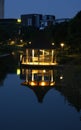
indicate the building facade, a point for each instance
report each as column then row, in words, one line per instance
column 1, row 9
column 48, row 20
column 37, row 20
column 33, row 20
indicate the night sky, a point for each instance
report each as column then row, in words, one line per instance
column 59, row 8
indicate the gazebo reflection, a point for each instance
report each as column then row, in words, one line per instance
column 39, row 80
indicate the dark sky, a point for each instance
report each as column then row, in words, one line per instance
column 59, row 8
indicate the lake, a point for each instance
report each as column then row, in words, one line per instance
column 24, row 107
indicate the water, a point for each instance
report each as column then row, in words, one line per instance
column 20, row 108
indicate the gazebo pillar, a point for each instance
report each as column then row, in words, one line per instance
column 52, row 76
column 52, row 58
column 27, row 56
column 43, row 56
column 42, row 77
column 27, row 75
column 32, row 76
column 33, row 56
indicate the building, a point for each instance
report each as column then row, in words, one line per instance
column 37, row 20
column 48, row 20
column 62, row 20
column 33, row 20
column 1, row 9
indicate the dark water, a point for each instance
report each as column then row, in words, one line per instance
column 20, row 108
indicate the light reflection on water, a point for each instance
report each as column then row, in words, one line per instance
column 21, row 109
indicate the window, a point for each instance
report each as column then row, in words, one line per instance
column 29, row 22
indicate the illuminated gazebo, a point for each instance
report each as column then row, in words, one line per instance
column 39, row 52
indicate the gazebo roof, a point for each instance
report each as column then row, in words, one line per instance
column 40, row 91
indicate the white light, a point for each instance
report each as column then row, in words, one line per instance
column 29, row 42
column 61, row 77
column 53, row 43
column 62, row 45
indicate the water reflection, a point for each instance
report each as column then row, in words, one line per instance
column 66, row 81
column 8, row 65
column 41, row 80
column 3, row 74
column 72, row 90
column 63, row 80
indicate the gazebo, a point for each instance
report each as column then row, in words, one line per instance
column 39, row 52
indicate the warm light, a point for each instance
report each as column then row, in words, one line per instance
column 39, row 63
column 43, row 83
column 62, row 45
column 39, row 57
column 12, row 42
column 33, row 83
column 18, row 71
column 52, row 83
column 44, row 71
column 19, row 20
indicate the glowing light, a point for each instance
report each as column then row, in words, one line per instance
column 30, row 42
column 52, row 83
column 18, row 71
column 53, row 43
column 38, row 63
column 13, row 53
column 61, row 77
column 46, row 57
column 44, row 71
column 19, row 20
column 12, row 42
column 62, row 45
column 21, row 40
column 43, row 83
column 33, row 83
column 34, row 71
